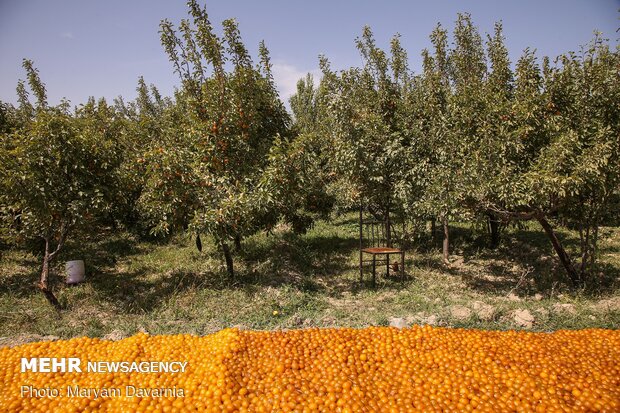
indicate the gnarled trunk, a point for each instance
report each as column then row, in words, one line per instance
column 198, row 243
column 494, row 230
column 446, row 241
column 573, row 275
column 229, row 260
column 43, row 284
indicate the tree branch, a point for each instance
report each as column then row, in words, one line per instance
column 64, row 231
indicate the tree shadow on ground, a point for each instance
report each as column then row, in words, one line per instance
column 308, row 263
column 311, row 263
column 21, row 284
column 320, row 262
column 524, row 264
column 103, row 252
column 135, row 293
column 317, row 262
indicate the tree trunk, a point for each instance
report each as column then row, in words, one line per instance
column 594, row 250
column 585, row 247
column 361, row 243
column 43, row 284
column 559, row 249
column 446, row 241
column 238, row 243
column 229, row 260
column 494, row 228
column 584, row 237
column 433, row 227
column 388, row 225
column 198, row 243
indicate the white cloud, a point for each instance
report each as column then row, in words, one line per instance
column 66, row 35
column 286, row 77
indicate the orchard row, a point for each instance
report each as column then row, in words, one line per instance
column 471, row 137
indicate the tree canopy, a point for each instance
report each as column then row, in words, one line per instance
column 472, row 137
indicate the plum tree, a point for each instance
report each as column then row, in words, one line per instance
column 208, row 169
column 58, row 167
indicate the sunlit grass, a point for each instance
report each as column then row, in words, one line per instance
column 289, row 281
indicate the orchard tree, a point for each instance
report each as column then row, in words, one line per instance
column 306, row 106
column 493, row 157
column 451, row 105
column 558, row 160
column 304, row 161
column 9, row 121
column 466, row 111
column 57, row 169
column 369, row 144
column 208, row 170
column 579, row 170
column 5, row 117
column 147, row 120
column 294, row 184
column 437, row 163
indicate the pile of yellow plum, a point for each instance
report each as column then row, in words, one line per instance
column 376, row 369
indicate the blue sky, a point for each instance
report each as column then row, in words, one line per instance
column 100, row 48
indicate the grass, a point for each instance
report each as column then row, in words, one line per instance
column 310, row 280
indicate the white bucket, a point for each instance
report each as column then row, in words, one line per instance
column 75, row 271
